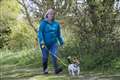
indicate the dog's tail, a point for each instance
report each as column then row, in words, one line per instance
column 69, row 59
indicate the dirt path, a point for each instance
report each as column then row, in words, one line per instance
column 97, row 76
column 14, row 73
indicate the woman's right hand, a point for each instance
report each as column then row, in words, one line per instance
column 43, row 46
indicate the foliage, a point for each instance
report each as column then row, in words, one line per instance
column 98, row 31
column 8, row 16
column 91, row 31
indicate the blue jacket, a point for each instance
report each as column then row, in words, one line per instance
column 49, row 33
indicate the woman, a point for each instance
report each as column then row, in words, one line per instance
column 49, row 35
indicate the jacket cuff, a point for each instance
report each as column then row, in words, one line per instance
column 42, row 42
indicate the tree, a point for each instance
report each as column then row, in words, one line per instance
column 39, row 7
column 6, row 20
column 96, row 24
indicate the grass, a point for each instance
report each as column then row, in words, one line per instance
column 54, row 77
column 26, row 65
column 21, row 58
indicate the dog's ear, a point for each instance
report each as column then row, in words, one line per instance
column 69, row 59
column 77, row 58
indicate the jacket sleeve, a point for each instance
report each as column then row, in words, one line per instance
column 40, row 33
column 60, row 38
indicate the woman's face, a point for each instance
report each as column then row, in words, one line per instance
column 51, row 15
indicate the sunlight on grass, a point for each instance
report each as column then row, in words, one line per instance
column 51, row 77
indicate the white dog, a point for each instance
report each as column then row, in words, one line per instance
column 73, row 67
